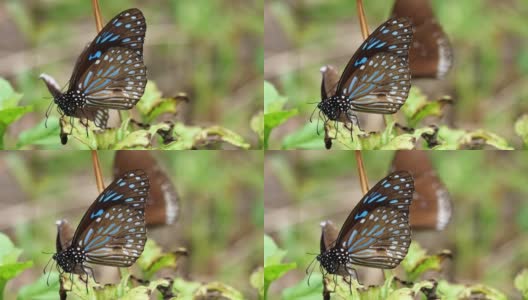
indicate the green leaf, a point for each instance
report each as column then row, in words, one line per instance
column 8, row 116
column 217, row 290
column 303, row 291
column 274, row 119
column 273, row 268
column 44, row 133
column 273, row 102
column 272, row 253
column 8, row 97
column 417, row 107
column 184, row 289
column 225, row 135
column 274, row 115
column 257, row 281
column 192, row 137
column 274, row 272
column 257, row 125
column 385, row 140
column 305, row 138
column 142, row 292
column 9, row 271
column 521, row 283
column 153, row 259
column 152, row 104
column 453, row 139
column 40, row 289
column 521, row 128
column 448, row 290
column 418, row 262
column 150, row 98
column 9, row 267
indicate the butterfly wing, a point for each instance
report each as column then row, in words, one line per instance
column 112, row 231
column 431, row 54
column 126, row 30
column 382, row 86
column 377, row 78
column 377, row 232
column 329, row 82
column 329, row 234
column 116, row 80
column 64, row 235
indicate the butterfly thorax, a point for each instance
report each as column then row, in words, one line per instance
column 332, row 259
column 70, row 101
column 335, row 108
column 70, row 258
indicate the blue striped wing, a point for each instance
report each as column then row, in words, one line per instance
column 116, row 80
column 377, row 77
column 377, row 232
column 126, row 30
column 381, row 85
column 112, row 231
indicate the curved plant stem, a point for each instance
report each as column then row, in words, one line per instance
column 361, row 171
column 97, row 15
column 362, row 19
column 97, row 171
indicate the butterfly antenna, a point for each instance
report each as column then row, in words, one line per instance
column 307, row 268
column 312, row 114
column 309, row 273
column 44, row 270
column 48, row 112
column 318, row 119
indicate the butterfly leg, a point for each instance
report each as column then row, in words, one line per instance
column 354, row 120
column 91, row 272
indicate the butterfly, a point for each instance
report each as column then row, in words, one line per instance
column 431, row 208
column 112, row 232
column 377, row 77
column 109, row 73
column 162, row 207
column 431, row 55
column 376, row 233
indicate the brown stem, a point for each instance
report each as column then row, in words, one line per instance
column 362, row 19
column 97, row 171
column 97, row 15
column 361, row 171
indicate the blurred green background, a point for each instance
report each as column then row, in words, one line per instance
column 488, row 233
column 220, row 223
column 209, row 49
column 488, row 81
